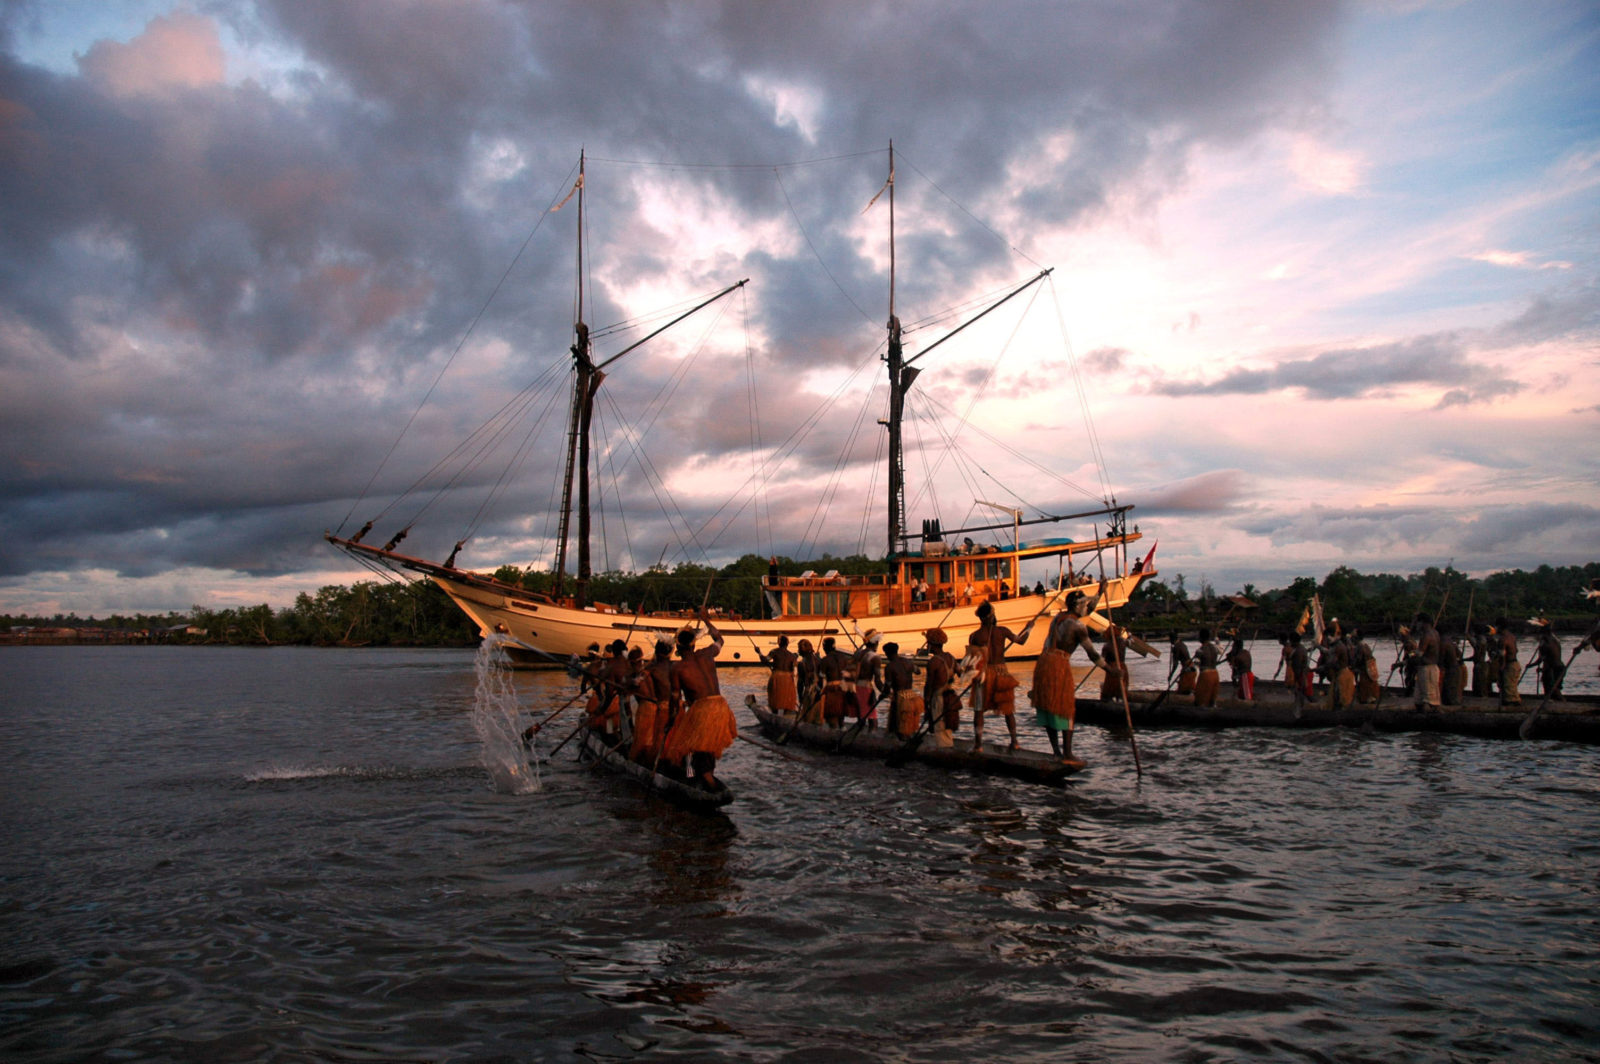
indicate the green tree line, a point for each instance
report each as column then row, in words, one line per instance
column 1380, row 600
column 400, row 613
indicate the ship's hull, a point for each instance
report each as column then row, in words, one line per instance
column 544, row 633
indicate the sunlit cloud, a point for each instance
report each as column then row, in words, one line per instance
column 1327, row 268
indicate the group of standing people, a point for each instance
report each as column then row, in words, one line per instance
column 668, row 711
column 1438, row 671
column 835, row 685
column 1197, row 674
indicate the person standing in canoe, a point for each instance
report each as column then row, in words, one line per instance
column 1341, row 678
column 939, row 698
column 782, row 694
column 996, row 687
column 1481, row 668
column 654, row 704
column 1244, row 681
column 869, row 678
column 1298, row 666
column 1181, row 664
column 808, row 677
column 905, row 705
column 611, row 685
column 1285, row 653
column 1365, row 667
column 707, row 727
column 833, row 664
column 1427, row 660
column 1547, row 656
column 1206, row 658
column 1504, row 649
column 1449, row 671
column 1054, row 692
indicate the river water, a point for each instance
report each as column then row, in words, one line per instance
column 294, row 854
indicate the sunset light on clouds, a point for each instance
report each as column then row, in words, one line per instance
column 1329, row 271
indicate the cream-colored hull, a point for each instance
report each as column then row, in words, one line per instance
column 542, row 633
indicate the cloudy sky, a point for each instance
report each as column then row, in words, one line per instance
column 1325, row 275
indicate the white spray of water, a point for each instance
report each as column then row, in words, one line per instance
column 498, row 722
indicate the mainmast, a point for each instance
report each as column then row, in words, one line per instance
column 586, row 382
column 900, row 378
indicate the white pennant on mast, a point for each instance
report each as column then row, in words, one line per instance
column 576, row 186
column 878, row 193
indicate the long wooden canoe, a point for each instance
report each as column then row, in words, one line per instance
column 989, row 760
column 684, row 793
column 1574, row 719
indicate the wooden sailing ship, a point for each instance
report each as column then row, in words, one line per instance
column 935, row 579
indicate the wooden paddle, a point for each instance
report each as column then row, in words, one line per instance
column 769, row 748
column 568, row 739
column 533, row 729
column 860, row 721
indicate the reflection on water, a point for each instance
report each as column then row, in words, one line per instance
column 300, row 855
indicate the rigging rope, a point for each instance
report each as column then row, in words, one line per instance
column 471, row 326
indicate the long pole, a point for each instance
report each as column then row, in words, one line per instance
column 1122, row 670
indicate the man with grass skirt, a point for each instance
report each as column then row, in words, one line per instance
column 1425, row 655
column 1510, row 669
column 1299, row 667
column 782, row 694
column 905, row 704
column 707, row 727
column 939, row 698
column 833, row 663
column 1182, row 665
column 653, row 707
column 1054, row 693
column 995, row 691
column 1205, row 659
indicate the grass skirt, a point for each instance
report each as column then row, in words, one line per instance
column 1054, row 693
column 706, row 727
column 781, row 694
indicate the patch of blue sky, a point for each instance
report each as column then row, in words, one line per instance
column 53, row 35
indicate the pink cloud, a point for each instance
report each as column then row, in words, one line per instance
column 178, row 51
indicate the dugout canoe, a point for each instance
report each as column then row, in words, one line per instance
column 1029, row 765
column 1573, row 719
column 682, row 793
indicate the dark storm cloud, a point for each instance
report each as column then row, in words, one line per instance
column 220, row 298
column 1438, row 360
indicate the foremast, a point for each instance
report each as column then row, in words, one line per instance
column 587, row 378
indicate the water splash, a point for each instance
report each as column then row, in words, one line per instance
column 498, row 721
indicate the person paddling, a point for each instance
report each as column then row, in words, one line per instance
column 707, row 727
